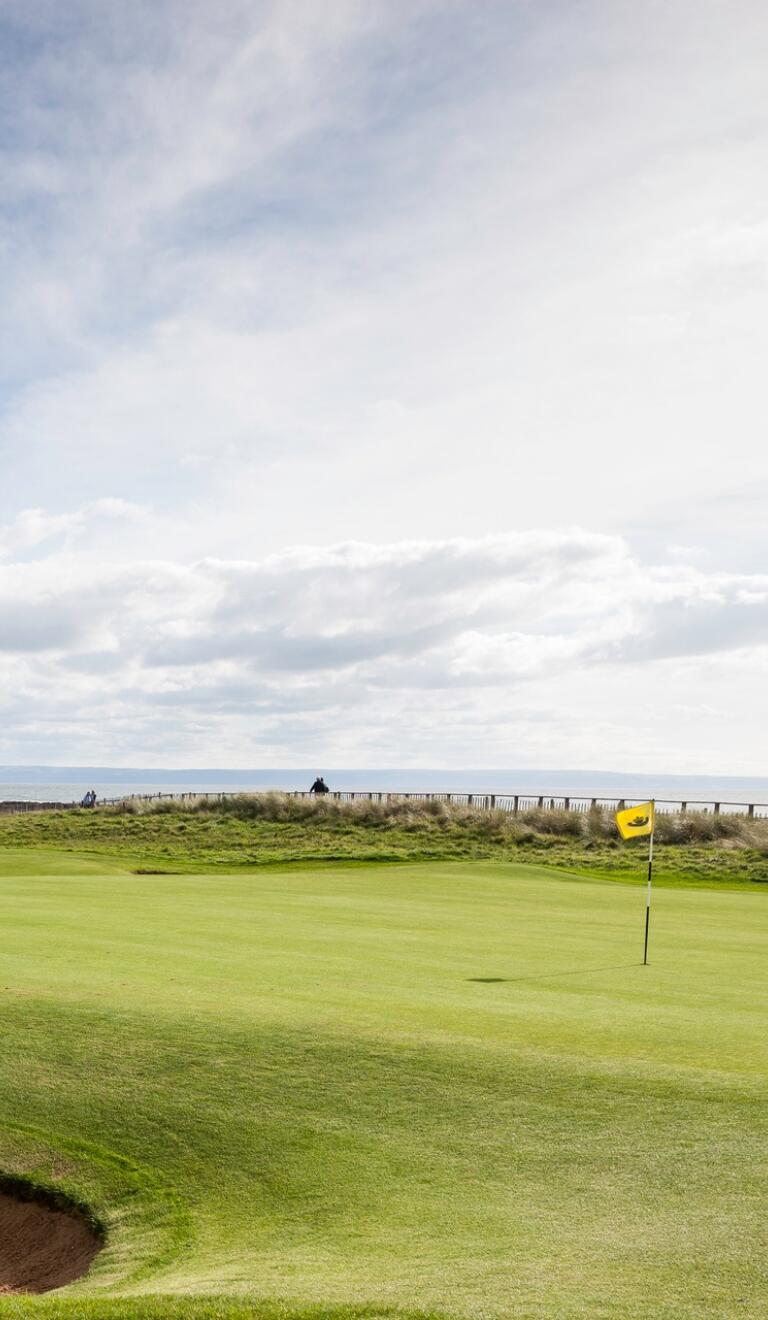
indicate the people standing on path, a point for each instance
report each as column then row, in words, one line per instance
column 319, row 786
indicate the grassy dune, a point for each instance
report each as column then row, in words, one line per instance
column 725, row 851
column 447, row 1088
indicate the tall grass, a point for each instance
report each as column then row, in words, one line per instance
column 595, row 826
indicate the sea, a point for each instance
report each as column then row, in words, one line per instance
column 70, row 783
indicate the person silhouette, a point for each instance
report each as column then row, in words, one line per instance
column 319, row 786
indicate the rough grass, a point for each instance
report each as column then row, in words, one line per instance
column 415, row 813
column 276, row 828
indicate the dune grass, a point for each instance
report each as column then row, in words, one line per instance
column 248, row 831
column 341, row 1092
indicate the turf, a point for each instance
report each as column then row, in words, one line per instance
column 339, row 1092
column 184, row 841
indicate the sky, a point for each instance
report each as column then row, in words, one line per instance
column 383, row 383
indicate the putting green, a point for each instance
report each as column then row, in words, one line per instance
column 440, row 1087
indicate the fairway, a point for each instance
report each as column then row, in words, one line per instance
column 442, row 1087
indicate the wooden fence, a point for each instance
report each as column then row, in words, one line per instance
column 514, row 803
column 16, row 808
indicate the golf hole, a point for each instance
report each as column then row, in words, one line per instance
column 46, row 1241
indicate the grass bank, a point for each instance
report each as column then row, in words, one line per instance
column 273, row 829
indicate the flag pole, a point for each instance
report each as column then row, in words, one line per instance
column 650, row 877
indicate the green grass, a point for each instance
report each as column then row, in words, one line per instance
column 228, row 838
column 308, row 1084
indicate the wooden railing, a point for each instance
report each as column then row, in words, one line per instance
column 513, row 803
column 16, row 808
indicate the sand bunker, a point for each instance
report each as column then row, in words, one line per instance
column 42, row 1246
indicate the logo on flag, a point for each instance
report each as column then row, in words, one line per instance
column 635, row 821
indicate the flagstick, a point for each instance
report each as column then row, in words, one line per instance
column 650, row 876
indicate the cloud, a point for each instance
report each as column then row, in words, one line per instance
column 312, row 317
column 34, row 527
column 736, row 620
column 322, row 650
column 400, row 270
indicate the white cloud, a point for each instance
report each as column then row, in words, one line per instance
column 358, row 649
column 313, row 315
column 33, row 527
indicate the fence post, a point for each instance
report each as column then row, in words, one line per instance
column 751, row 809
column 515, row 804
column 566, row 804
column 716, row 809
column 493, row 801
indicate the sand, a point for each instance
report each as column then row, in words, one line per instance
column 42, row 1248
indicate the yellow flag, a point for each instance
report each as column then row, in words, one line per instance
column 635, row 821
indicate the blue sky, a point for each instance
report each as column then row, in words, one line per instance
column 383, row 383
